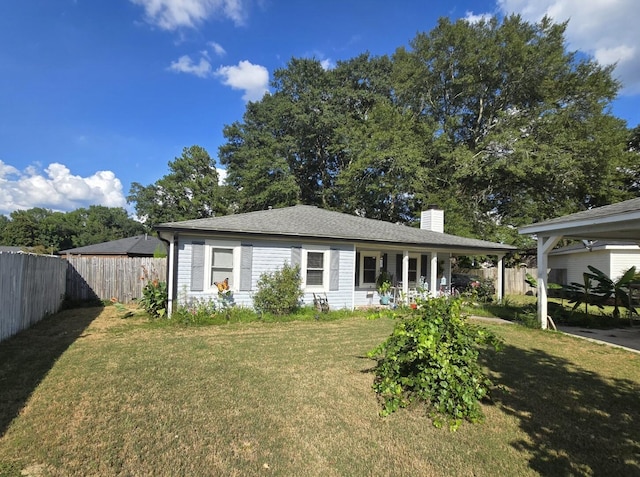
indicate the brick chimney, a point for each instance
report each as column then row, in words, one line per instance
column 432, row 219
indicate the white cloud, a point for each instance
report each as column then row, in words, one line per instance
column 473, row 18
column 57, row 190
column 606, row 29
column 186, row 65
column 6, row 170
column 217, row 48
column 222, row 175
column 253, row 79
column 173, row 14
column 327, row 64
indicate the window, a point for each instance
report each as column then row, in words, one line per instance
column 315, row 269
column 221, row 266
column 369, row 268
column 413, row 270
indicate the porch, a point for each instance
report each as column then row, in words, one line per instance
column 411, row 272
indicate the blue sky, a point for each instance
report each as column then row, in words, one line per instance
column 97, row 94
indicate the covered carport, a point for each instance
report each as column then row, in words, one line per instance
column 619, row 221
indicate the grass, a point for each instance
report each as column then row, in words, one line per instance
column 86, row 392
column 523, row 309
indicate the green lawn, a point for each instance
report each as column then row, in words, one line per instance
column 87, row 393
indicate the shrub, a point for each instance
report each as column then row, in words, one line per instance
column 432, row 357
column 279, row 293
column 154, row 298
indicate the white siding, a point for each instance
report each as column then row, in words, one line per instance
column 268, row 256
column 610, row 261
column 576, row 263
column 623, row 260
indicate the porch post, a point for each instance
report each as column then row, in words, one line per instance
column 405, row 273
column 433, row 274
column 500, row 281
column 545, row 245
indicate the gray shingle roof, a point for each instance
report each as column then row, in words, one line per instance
column 10, row 249
column 140, row 245
column 305, row 221
column 627, row 206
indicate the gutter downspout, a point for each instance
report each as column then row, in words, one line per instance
column 500, row 281
column 171, row 271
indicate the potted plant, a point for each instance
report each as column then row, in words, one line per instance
column 383, row 283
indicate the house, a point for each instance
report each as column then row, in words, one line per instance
column 339, row 255
column 138, row 246
column 11, row 249
column 619, row 221
column 612, row 257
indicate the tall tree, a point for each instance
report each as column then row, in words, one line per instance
column 495, row 121
column 524, row 127
column 189, row 191
column 290, row 147
column 99, row 224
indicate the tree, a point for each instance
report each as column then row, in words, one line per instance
column 293, row 145
column 495, row 121
column 388, row 167
column 189, row 191
column 99, row 224
column 258, row 172
column 523, row 127
column 48, row 231
column 27, row 228
column 4, row 220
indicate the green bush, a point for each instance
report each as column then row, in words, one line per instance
column 432, row 357
column 154, row 298
column 279, row 293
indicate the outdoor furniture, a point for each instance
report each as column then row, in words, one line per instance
column 321, row 304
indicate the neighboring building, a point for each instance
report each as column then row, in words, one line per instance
column 620, row 221
column 613, row 258
column 138, row 246
column 339, row 255
column 11, row 249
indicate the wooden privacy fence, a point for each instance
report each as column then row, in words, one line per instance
column 31, row 287
column 514, row 279
column 106, row 278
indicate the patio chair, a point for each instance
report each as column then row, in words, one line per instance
column 321, row 304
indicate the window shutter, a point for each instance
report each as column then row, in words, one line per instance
column 398, row 267
column 197, row 266
column 334, row 270
column 357, row 278
column 246, row 264
column 296, row 256
column 424, row 263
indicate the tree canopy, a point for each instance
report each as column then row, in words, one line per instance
column 48, row 231
column 189, row 191
column 495, row 121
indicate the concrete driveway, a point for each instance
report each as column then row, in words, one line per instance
column 628, row 338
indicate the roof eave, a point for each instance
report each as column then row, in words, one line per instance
column 472, row 249
column 571, row 226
